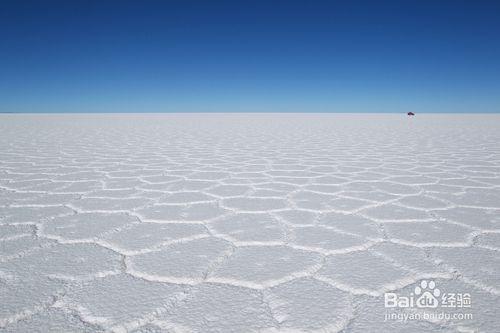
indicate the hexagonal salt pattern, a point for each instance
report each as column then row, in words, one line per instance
column 246, row 223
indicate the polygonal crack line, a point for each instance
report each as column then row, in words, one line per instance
column 74, row 209
column 473, row 238
column 477, row 284
column 156, row 248
column 288, row 198
column 286, row 228
column 310, row 271
column 447, row 202
column 403, row 267
column 421, row 245
column 487, row 247
column 475, row 231
column 126, row 267
column 351, row 316
column 97, row 239
column 116, row 230
column 61, row 305
column 61, row 241
column 381, row 227
column 79, row 312
column 456, row 274
column 452, row 271
column 224, row 237
column 351, row 249
column 339, row 231
column 168, row 306
column 219, row 261
column 355, row 301
column 30, row 312
column 268, row 307
column 27, row 252
column 392, row 286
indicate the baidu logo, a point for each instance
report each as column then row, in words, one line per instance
column 427, row 295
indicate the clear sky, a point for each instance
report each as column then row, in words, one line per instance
column 244, row 56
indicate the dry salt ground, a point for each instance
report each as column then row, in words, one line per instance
column 246, row 223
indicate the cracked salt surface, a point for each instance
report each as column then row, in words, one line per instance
column 241, row 223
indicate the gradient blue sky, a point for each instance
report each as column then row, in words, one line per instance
column 244, row 56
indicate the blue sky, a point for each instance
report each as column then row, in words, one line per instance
column 250, row 56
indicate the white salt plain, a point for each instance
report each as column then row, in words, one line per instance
column 247, row 222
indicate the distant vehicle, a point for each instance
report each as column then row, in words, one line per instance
column 410, row 113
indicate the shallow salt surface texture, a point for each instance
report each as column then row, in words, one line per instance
column 249, row 222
